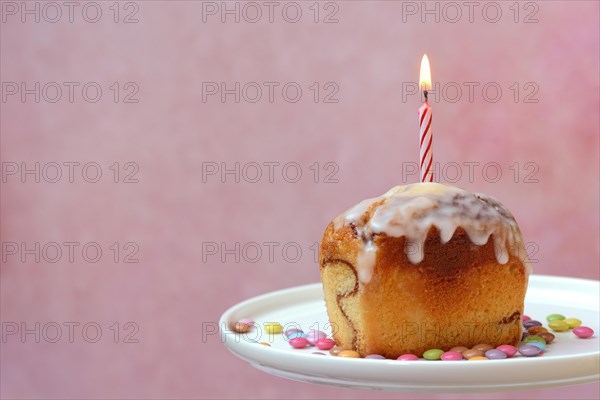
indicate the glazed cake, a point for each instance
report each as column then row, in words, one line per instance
column 424, row 266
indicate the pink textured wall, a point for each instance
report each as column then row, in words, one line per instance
column 370, row 55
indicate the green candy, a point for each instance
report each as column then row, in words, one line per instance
column 559, row 326
column 534, row 338
column 433, row 354
column 555, row 317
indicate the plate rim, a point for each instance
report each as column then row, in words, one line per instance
column 267, row 360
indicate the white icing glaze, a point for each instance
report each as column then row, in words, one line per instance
column 411, row 210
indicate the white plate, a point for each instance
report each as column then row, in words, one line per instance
column 568, row 361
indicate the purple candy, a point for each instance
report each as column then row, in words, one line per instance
column 508, row 349
column 375, row 357
column 314, row 335
column 495, row 354
column 531, row 323
column 529, row 350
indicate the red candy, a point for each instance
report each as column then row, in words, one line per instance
column 508, row 349
column 583, row 332
column 298, row 343
column 325, row 344
column 408, row 357
column 451, row 356
column 525, row 318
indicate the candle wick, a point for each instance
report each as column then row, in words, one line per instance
column 425, row 94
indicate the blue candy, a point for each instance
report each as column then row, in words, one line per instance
column 539, row 345
column 297, row 335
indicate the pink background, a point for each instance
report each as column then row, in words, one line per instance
column 171, row 132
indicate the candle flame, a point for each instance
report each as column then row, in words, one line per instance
column 425, row 75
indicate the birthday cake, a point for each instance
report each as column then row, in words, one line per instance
column 424, row 266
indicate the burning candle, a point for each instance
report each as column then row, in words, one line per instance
column 425, row 117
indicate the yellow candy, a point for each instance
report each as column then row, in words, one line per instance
column 273, row 327
column 349, row 354
column 264, row 344
column 477, row 358
column 572, row 322
column 558, row 326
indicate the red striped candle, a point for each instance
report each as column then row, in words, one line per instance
column 425, row 117
column 426, row 152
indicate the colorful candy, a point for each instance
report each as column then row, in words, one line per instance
column 558, row 326
column 531, row 323
column 572, row 322
column 539, row 345
column 325, row 344
column 314, row 335
column 508, row 349
column 297, row 335
column 293, row 331
column 451, row 356
column 555, row 317
column 583, row 332
column 483, row 347
column 243, row 325
column 433, row 354
column 495, row 354
column 548, row 337
column 241, row 328
column 534, row 330
column 534, row 342
column 298, row 343
column 534, row 338
column 468, row 354
column 408, row 357
column 273, row 327
column 529, row 350
column 349, row 354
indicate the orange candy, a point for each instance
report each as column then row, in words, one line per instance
column 348, row 354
